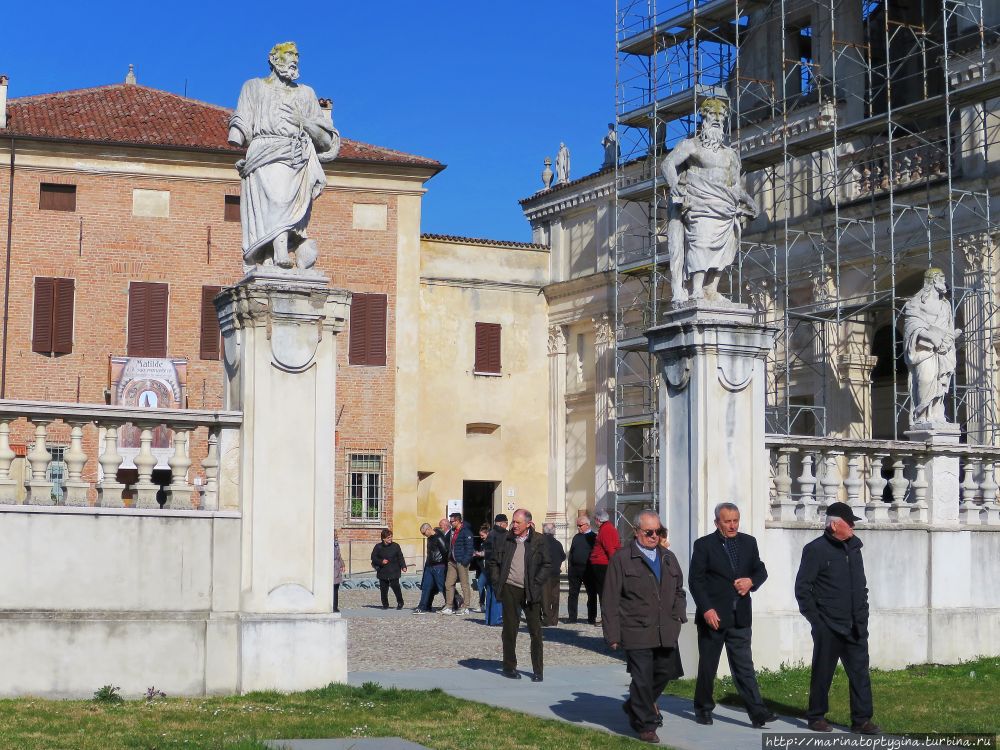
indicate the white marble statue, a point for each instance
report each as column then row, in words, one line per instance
column 612, row 151
column 287, row 136
column 707, row 207
column 929, row 335
column 562, row 165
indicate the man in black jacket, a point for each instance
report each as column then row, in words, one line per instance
column 495, row 537
column 578, row 571
column 434, row 568
column 832, row 593
column 725, row 568
column 518, row 570
column 550, row 592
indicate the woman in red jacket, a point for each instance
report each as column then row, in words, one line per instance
column 605, row 545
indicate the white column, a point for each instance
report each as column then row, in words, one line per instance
column 604, row 405
column 279, row 338
column 980, row 366
column 556, row 512
column 942, row 474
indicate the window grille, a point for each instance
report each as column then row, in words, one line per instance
column 366, row 487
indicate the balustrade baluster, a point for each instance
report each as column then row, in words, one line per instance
column 210, row 500
column 807, row 485
column 990, row 509
column 145, row 490
column 918, row 508
column 8, row 486
column 969, row 511
column 179, row 492
column 76, row 459
column 878, row 509
column 853, row 483
column 109, row 493
column 831, row 478
column 899, row 510
column 39, row 488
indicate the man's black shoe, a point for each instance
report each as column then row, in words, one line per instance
column 513, row 674
column 536, row 678
column 705, row 719
column 760, row 721
column 867, row 728
column 820, row 725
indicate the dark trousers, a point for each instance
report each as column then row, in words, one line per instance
column 600, row 573
column 431, row 583
column 383, row 588
column 550, row 601
column 828, row 647
column 513, row 601
column 651, row 670
column 584, row 576
column 737, row 643
column 336, row 597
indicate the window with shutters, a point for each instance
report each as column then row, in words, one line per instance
column 368, row 324
column 52, row 324
column 53, row 197
column 487, row 349
column 232, row 212
column 366, row 486
column 211, row 337
column 147, row 319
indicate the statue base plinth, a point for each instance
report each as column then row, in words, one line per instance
column 274, row 275
column 936, row 433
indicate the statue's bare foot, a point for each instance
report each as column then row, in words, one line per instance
column 280, row 248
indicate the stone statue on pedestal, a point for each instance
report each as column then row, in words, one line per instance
column 287, row 136
column 708, row 205
column 929, row 335
column 562, row 165
column 612, row 152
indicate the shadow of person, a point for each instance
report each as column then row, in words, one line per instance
column 482, row 665
column 599, row 710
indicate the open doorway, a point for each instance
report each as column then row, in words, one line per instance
column 478, row 502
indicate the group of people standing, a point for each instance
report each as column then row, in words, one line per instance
column 643, row 605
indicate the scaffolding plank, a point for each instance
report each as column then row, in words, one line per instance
column 641, row 191
column 679, row 28
column 682, row 103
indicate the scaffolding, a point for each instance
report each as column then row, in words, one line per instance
column 868, row 137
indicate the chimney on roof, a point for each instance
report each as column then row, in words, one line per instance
column 327, row 106
column 130, row 76
column 3, row 100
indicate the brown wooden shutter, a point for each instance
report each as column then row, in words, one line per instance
column 211, row 337
column 54, row 197
column 62, row 322
column 232, row 210
column 41, row 335
column 147, row 319
column 358, row 346
column 377, row 308
column 487, row 348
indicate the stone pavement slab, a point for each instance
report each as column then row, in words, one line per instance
column 590, row 696
column 347, row 743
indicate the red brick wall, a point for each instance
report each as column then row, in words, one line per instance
column 118, row 248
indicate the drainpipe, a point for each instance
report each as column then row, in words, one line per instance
column 6, row 279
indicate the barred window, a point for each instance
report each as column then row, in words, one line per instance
column 56, row 471
column 366, row 486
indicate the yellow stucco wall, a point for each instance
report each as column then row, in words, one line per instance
column 461, row 283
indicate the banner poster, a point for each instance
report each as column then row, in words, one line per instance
column 147, row 383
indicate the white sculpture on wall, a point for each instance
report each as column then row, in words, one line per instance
column 562, row 165
column 707, row 207
column 929, row 335
column 287, row 136
column 612, row 151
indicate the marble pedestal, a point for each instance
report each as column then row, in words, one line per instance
column 711, row 366
column 279, row 342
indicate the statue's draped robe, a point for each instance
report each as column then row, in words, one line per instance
column 712, row 224
column 930, row 372
column 281, row 173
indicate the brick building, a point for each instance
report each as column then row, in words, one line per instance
column 120, row 221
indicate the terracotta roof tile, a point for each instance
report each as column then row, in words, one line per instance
column 133, row 114
column 483, row 241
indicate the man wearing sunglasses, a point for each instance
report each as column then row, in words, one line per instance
column 725, row 568
column 642, row 607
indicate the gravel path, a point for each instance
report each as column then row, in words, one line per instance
column 390, row 640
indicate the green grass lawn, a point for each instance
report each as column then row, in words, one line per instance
column 926, row 698
column 430, row 718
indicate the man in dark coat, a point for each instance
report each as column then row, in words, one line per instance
column 434, row 568
column 578, row 571
column 725, row 568
column 518, row 570
column 550, row 594
column 496, row 535
column 832, row 593
column 642, row 607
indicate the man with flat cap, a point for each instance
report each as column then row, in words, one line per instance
column 832, row 593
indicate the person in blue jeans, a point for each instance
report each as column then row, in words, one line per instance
column 434, row 568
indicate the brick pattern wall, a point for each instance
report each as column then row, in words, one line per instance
column 104, row 247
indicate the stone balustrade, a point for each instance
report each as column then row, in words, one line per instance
column 884, row 481
column 914, row 160
column 105, row 489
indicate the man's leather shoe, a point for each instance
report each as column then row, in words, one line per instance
column 512, row 674
column 760, row 721
column 649, row 736
column 820, row 725
column 866, row 728
column 536, row 678
column 705, row 719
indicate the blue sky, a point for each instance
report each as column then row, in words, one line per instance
column 489, row 89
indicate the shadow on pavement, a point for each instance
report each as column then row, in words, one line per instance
column 482, row 665
column 600, row 710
